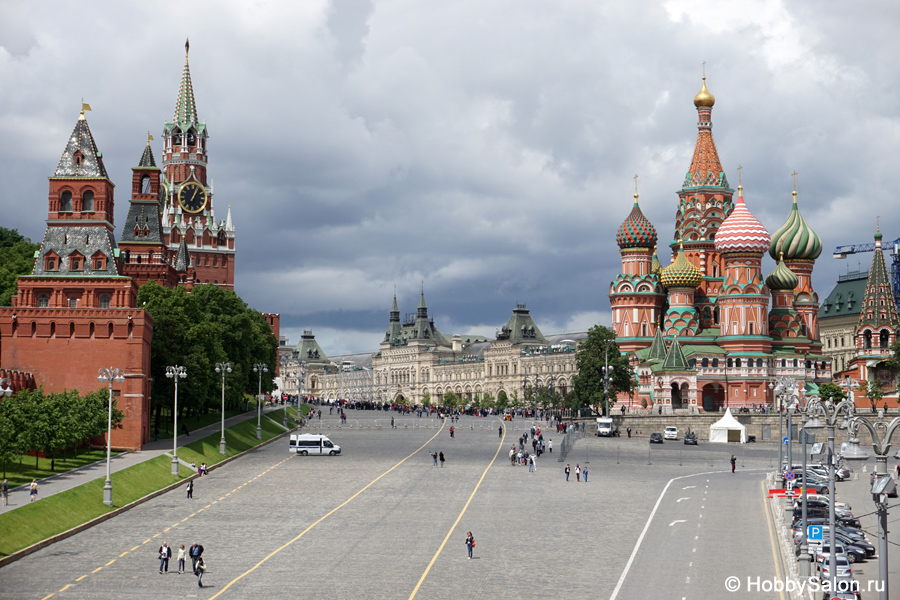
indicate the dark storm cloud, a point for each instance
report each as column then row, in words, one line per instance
column 485, row 148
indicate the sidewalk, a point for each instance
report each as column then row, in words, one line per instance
column 65, row 481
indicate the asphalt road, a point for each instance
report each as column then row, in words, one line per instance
column 381, row 522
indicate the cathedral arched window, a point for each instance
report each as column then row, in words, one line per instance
column 87, row 201
column 867, row 336
column 191, row 138
column 176, row 138
column 704, row 362
column 728, row 363
column 65, row 202
column 715, row 362
column 737, row 363
column 883, row 338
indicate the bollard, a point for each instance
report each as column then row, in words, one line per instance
column 471, row 427
column 405, row 426
column 480, row 427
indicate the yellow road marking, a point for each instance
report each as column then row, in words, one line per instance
column 331, row 512
column 145, row 541
column 48, row 596
column 458, row 519
column 65, row 588
column 80, row 578
column 771, row 537
column 166, row 529
column 185, row 519
column 157, row 535
column 110, row 562
column 135, row 548
column 97, row 569
column 123, row 554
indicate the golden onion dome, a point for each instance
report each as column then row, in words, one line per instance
column 704, row 98
column 655, row 265
column 682, row 273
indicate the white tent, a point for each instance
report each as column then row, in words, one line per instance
column 727, row 429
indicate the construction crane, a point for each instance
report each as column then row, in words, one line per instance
column 894, row 268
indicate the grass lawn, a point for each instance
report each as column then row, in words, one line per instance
column 238, row 438
column 85, row 457
column 195, row 422
column 54, row 514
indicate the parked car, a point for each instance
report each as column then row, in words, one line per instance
column 813, row 504
column 842, row 570
column 656, row 438
column 690, row 439
column 826, row 499
column 821, row 518
column 849, row 532
column 671, row 433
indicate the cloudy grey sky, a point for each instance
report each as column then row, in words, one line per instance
column 487, row 148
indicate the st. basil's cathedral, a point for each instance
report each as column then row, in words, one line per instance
column 709, row 331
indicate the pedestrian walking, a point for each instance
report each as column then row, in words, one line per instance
column 33, row 490
column 550, row 446
column 534, row 461
column 531, row 464
column 470, row 543
column 451, row 431
column 4, row 491
column 733, row 462
column 500, row 431
column 190, row 490
column 568, row 470
column 584, row 472
column 512, row 456
column 434, row 459
column 577, row 473
column 442, row 459
column 181, row 555
column 198, row 571
column 629, row 430
column 195, row 552
column 165, row 553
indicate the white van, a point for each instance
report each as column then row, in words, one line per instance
column 313, row 443
column 604, row 426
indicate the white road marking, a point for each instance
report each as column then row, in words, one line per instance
column 688, row 487
column 680, row 499
column 640, row 540
column 680, row 521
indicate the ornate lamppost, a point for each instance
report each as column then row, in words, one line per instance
column 223, row 368
column 109, row 376
column 175, row 372
column 882, row 483
column 259, row 368
column 5, row 387
column 831, row 412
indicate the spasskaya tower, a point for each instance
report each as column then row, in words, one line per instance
column 188, row 212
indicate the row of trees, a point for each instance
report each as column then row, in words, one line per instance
column 51, row 423
column 196, row 331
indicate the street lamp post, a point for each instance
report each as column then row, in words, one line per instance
column 223, row 368
column 831, row 412
column 109, row 376
column 259, row 368
column 882, row 483
column 607, row 377
column 175, row 373
column 285, row 363
column 5, row 387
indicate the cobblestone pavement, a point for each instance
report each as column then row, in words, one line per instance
column 371, row 522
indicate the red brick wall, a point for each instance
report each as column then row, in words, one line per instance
column 65, row 348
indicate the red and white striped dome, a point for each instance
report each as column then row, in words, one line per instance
column 741, row 231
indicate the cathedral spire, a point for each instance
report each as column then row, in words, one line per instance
column 878, row 308
column 706, row 168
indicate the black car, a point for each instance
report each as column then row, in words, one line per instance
column 690, row 439
column 818, row 517
column 656, row 438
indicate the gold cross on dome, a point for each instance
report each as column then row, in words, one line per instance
column 635, row 184
column 794, row 175
column 739, row 169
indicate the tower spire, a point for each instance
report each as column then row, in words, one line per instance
column 185, row 107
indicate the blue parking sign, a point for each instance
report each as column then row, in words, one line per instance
column 814, row 532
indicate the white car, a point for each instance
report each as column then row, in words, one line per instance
column 671, row 433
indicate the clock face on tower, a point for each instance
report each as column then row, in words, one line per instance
column 192, row 197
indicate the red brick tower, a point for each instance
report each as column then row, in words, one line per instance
column 75, row 313
column 188, row 211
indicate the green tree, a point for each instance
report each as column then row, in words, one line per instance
column 874, row 393
column 831, row 392
column 426, row 399
column 487, row 400
column 590, row 360
column 11, row 429
column 196, row 331
column 451, row 400
column 502, row 400
column 16, row 258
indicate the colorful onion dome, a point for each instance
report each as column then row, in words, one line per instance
column 636, row 231
column 782, row 278
column 655, row 265
column 682, row 273
column 704, row 98
column 741, row 231
column 795, row 238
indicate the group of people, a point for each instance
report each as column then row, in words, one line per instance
column 437, row 456
column 195, row 553
column 578, row 472
column 523, row 456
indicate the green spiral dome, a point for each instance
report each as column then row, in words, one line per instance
column 795, row 240
column 782, row 278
